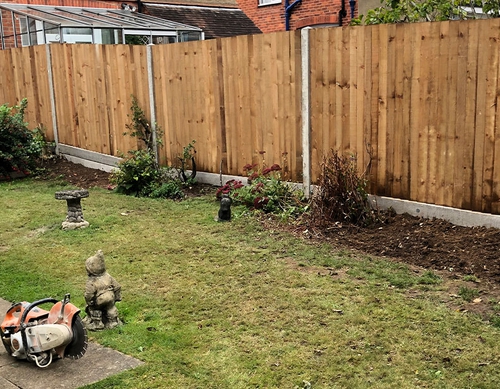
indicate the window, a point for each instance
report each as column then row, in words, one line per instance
column 269, row 2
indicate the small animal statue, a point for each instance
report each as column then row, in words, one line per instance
column 101, row 293
column 225, row 209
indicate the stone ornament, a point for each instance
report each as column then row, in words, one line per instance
column 101, row 293
column 74, row 218
column 224, row 213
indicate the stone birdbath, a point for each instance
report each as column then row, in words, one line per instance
column 74, row 218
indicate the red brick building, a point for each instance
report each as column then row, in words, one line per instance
column 281, row 15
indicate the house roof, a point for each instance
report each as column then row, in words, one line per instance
column 96, row 18
column 201, row 3
column 215, row 22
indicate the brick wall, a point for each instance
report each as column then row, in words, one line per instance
column 270, row 18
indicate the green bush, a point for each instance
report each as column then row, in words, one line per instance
column 137, row 174
column 20, row 148
column 168, row 190
column 266, row 191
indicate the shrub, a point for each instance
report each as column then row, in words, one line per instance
column 20, row 148
column 139, row 173
column 187, row 158
column 265, row 191
column 168, row 190
column 136, row 174
column 341, row 194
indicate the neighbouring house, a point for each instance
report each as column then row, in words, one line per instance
column 217, row 18
column 86, row 21
column 281, row 15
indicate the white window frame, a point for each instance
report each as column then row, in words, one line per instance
column 268, row 2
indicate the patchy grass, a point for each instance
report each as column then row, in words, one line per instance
column 230, row 305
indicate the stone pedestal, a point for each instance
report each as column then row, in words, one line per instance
column 74, row 219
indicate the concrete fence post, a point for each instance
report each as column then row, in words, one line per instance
column 52, row 97
column 306, row 111
column 152, row 103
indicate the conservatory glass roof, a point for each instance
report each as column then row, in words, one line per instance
column 40, row 24
column 104, row 18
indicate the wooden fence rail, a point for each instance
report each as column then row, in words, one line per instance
column 415, row 102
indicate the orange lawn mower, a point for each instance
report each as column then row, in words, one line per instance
column 29, row 332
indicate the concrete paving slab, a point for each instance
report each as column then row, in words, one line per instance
column 97, row 363
column 4, row 384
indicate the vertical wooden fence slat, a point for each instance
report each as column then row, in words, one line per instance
column 345, row 93
column 374, row 108
column 480, row 120
column 359, row 60
column 229, row 47
column 43, row 100
column 460, row 125
column 432, row 105
column 161, row 64
column 425, row 107
column 450, row 113
column 495, row 195
column 62, row 70
column 244, row 118
column 316, row 85
column 382, row 109
column 338, row 89
column 491, row 75
column 468, row 199
column 392, row 126
column 406, row 73
column 442, row 109
column 368, row 147
column 7, row 79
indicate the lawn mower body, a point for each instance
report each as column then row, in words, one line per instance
column 29, row 332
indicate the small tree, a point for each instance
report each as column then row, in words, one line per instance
column 410, row 11
column 139, row 173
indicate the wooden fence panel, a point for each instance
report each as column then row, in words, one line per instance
column 417, row 104
column 7, row 93
column 427, row 95
column 187, row 97
column 262, row 101
column 23, row 74
column 62, row 73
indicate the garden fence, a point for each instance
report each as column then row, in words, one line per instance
column 413, row 104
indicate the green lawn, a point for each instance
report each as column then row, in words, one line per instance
column 231, row 305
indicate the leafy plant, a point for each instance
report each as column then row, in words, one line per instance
column 168, row 190
column 407, row 11
column 142, row 128
column 136, row 174
column 20, row 148
column 265, row 191
column 229, row 187
column 187, row 157
column 341, row 194
column 139, row 173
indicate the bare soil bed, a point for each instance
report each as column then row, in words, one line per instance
column 451, row 251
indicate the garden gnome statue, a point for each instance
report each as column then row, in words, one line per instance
column 225, row 209
column 101, row 293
